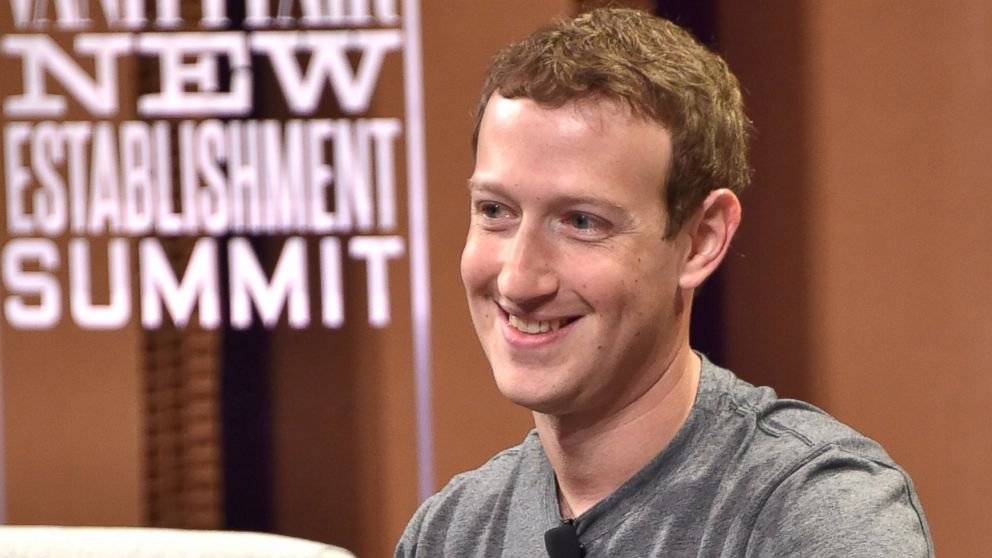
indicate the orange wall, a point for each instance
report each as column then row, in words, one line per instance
column 72, row 427
column 865, row 234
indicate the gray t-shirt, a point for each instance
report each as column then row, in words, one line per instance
column 747, row 475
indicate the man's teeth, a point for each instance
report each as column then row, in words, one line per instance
column 535, row 326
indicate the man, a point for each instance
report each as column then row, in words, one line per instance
column 609, row 153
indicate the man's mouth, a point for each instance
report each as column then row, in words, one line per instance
column 536, row 326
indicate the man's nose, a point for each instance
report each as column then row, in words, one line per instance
column 528, row 276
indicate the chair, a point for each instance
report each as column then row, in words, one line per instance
column 142, row 542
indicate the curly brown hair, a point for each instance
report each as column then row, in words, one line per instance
column 657, row 70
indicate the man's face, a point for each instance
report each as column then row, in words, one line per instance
column 571, row 284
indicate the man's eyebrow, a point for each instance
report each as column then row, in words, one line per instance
column 473, row 185
column 599, row 201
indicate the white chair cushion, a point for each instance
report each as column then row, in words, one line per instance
column 140, row 542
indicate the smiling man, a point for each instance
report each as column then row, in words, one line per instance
column 609, row 153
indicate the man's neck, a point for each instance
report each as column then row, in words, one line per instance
column 594, row 456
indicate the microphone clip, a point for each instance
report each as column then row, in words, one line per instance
column 563, row 541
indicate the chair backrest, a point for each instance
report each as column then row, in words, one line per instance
column 141, row 542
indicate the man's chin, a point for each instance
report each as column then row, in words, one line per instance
column 538, row 401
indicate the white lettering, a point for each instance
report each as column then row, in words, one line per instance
column 385, row 11
column 41, row 56
column 248, row 284
column 320, row 175
column 376, row 251
column 77, row 136
column 136, row 170
column 68, row 13
column 84, row 312
column 324, row 13
column 210, row 151
column 16, row 177
column 159, row 285
column 105, row 202
column 214, row 14
column 24, row 286
column 331, row 293
column 352, row 167
column 47, row 151
column 167, row 13
column 167, row 221
column 329, row 61
column 188, row 182
column 134, row 13
column 176, row 75
column 385, row 131
column 21, row 10
column 285, row 207
column 244, row 176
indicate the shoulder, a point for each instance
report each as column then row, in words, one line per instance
column 469, row 499
column 492, row 478
column 775, row 430
column 840, row 501
column 816, row 486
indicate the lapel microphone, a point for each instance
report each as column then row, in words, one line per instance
column 563, row 542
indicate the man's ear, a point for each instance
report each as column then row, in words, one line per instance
column 710, row 231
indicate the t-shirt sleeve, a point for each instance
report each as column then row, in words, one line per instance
column 407, row 545
column 840, row 504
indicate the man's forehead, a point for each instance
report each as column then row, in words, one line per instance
column 592, row 109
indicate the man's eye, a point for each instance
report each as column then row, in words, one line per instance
column 582, row 221
column 492, row 210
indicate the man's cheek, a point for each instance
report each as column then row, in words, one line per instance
column 478, row 264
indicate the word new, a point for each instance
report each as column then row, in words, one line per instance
column 194, row 66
